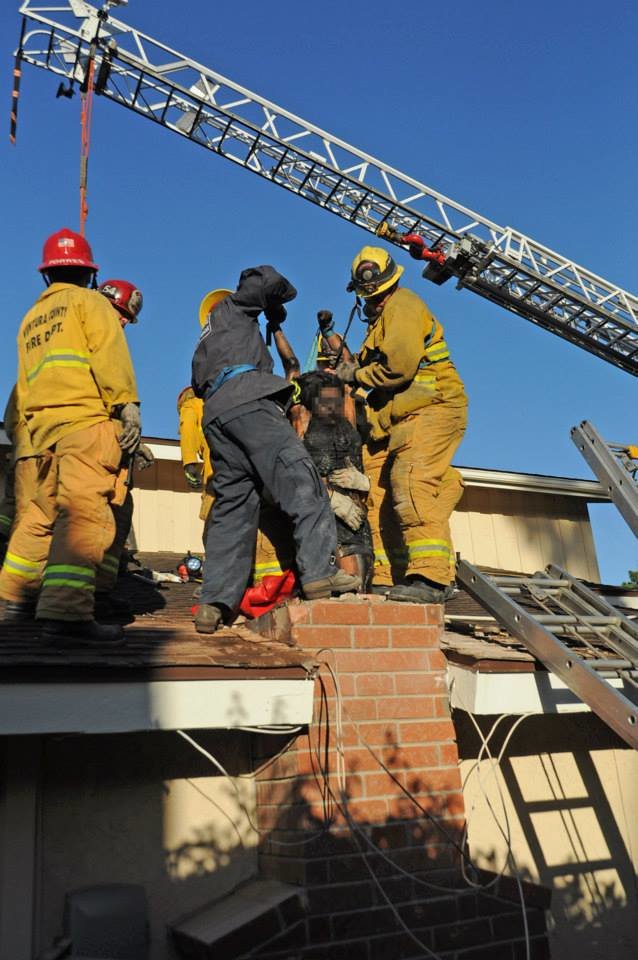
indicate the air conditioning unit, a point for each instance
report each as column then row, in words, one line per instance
column 107, row 922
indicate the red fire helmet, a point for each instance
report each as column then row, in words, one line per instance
column 124, row 296
column 66, row 249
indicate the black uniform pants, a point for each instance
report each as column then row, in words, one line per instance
column 255, row 452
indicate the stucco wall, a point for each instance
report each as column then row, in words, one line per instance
column 567, row 795
column 146, row 809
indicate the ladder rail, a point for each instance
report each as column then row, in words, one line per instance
column 618, row 480
column 609, row 704
column 503, row 265
column 623, row 641
column 588, row 613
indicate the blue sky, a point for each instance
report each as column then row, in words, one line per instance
column 529, row 118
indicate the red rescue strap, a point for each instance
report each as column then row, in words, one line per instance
column 15, row 93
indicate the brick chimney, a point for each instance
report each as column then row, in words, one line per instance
column 353, row 857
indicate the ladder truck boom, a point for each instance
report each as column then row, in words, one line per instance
column 499, row 263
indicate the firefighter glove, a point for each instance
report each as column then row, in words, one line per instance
column 193, row 474
column 326, row 324
column 347, row 510
column 350, row 478
column 345, row 371
column 275, row 314
column 144, row 457
column 131, row 426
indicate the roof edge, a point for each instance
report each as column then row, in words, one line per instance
column 590, row 490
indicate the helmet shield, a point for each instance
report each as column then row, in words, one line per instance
column 373, row 271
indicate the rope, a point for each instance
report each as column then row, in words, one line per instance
column 15, row 93
column 86, row 96
column 355, row 310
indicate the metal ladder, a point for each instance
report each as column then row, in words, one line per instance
column 573, row 631
column 615, row 465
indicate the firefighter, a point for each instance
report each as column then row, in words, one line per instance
column 128, row 302
column 254, row 450
column 197, row 466
column 417, row 413
column 76, row 392
column 20, row 483
column 196, row 461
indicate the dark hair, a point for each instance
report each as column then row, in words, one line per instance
column 311, row 384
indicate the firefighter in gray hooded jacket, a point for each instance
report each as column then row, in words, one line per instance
column 256, row 453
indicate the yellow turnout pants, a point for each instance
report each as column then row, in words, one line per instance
column 122, row 507
column 7, row 504
column 414, row 490
column 28, row 547
column 20, row 486
column 69, row 521
column 390, row 554
column 26, row 484
column 275, row 548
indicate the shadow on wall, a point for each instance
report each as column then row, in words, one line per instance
column 143, row 808
column 571, row 794
column 381, row 871
column 147, row 808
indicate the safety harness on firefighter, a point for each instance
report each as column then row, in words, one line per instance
column 227, row 373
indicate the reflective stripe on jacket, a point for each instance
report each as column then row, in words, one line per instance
column 405, row 363
column 74, row 365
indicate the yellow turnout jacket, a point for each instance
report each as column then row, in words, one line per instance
column 74, row 365
column 405, row 363
column 192, row 442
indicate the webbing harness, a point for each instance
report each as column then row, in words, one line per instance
column 227, row 373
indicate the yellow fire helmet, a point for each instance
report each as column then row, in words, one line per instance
column 209, row 302
column 373, row 271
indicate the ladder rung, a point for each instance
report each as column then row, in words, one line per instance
column 551, row 619
column 611, row 652
column 529, row 581
column 610, row 664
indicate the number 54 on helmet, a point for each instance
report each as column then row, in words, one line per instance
column 124, row 296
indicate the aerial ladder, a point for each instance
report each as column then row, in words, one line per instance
column 499, row 263
column 573, row 631
column 615, row 465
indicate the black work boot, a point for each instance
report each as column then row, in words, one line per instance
column 82, row 633
column 421, row 590
column 17, row 611
column 108, row 606
column 339, row 582
column 379, row 589
column 208, row 618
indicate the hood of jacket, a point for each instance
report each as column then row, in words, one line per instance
column 260, row 288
